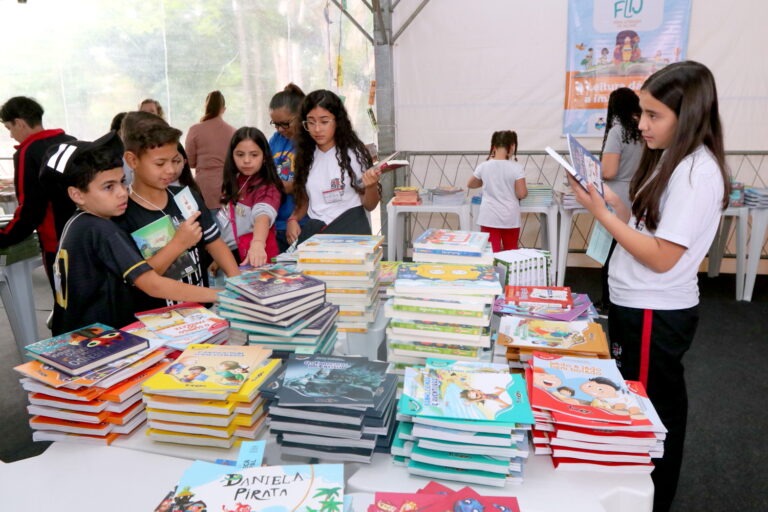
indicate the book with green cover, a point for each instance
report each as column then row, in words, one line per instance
column 501, row 465
column 156, row 235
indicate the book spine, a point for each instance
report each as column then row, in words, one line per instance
column 454, row 328
column 438, row 311
column 446, row 252
column 413, row 349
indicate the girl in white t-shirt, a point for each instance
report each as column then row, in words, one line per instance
column 334, row 184
column 678, row 194
column 503, row 183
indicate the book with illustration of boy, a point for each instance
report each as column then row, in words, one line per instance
column 207, row 371
column 553, row 335
column 182, row 324
column 156, row 235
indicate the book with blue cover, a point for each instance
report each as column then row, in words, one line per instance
column 84, row 349
column 451, row 242
column 341, row 244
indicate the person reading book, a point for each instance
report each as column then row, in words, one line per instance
column 151, row 146
column 331, row 184
column 503, row 183
column 251, row 196
column 678, row 193
column 97, row 263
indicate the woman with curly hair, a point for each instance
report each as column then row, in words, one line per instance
column 333, row 183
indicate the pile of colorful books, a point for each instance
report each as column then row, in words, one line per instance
column 525, row 267
column 180, row 325
column 589, row 418
column 436, row 497
column 209, row 396
column 440, row 310
column 280, row 309
column 349, row 266
column 539, row 194
column 447, row 196
column 756, row 197
column 332, row 407
column 85, row 385
column 466, row 422
column 450, row 246
column 406, row 196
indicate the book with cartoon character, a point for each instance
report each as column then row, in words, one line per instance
column 156, row 235
column 345, row 245
column 552, row 335
column 207, row 371
column 447, row 279
column 182, row 324
column 274, row 283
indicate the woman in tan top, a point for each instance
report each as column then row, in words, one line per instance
column 207, row 144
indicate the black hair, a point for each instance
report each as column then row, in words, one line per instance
column 688, row 89
column 142, row 131
column 230, row 190
column 504, row 139
column 214, row 102
column 604, row 381
column 566, row 388
column 289, row 98
column 345, row 139
column 624, row 107
column 86, row 163
column 21, row 107
column 117, row 121
column 186, row 179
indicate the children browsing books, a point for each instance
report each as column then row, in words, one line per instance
column 678, row 193
column 331, row 184
column 97, row 263
column 503, row 183
column 284, row 113
column 251, row 196
column 151, row 146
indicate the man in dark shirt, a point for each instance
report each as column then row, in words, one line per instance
column 40, row 207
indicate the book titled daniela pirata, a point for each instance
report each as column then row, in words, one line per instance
column 81, row 350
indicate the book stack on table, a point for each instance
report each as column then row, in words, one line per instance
column 442, row 311
column 525, row 267
column 589, row 418
column 451, row 246
column 209, row 396
column 181, row 325
column 463, row 421
column 332, row 408
column 407, row 196
column 539, row 194
column 547, row 319
column 447, row 196
column 280, row 309
column 349, row 266
column 756, row 197
column 85, row 385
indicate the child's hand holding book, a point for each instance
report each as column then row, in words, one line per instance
column 189, row 232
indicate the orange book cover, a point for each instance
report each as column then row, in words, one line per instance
column 75, row 427
column 121, row 418
column 132, row 385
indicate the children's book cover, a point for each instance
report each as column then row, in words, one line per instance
column 250, row 388
column 539, row 296
column 402, row 502
column 81, row 350
column 578, row 336
column 182, row 324
column 341, row 243
column 207, row 486
column 208, row 369
column 584, row 388
column 467, row 242
column 156, row 235
column 437, row 278
column 331, row 380
column 274, row 283
column 581, row 306
column 484, row 396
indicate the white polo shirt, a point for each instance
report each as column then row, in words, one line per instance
column 689, row 213
column 500, row 207
column 329, row 197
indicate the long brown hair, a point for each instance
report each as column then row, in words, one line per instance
column 214, row 102
column 688, row 89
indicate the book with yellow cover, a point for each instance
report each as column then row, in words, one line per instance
column 192, row 405
column 207, row 371
column 250, row 389
column 553, row 335
column 168, row 436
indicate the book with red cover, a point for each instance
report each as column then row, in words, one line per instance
column 564, row 464
column 599, row 456
column 539, row 296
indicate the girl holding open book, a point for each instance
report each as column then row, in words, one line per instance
column 503, row 183
column 678, row 194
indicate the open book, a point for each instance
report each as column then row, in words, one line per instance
column 586, row 168
column 389, row 164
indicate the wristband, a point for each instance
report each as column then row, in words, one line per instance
column 294, row 219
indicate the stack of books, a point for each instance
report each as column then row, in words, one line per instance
column 568, row 201
column 387, row 276
column 539, row 194
column 544, row 302
column 447, row 196
column 435, row 497
column 756, row 197
column 525, row 267
column 209, row 396
column 349, row 266
column 440, row 310
column 332, row 408
column 450, row 246
column 466, row 422
column 280, row 309
column 85, row 385
column 181, row 325
column 406, row 196
column 589, row 418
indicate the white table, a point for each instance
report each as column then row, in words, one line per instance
column 70, row 477
column 548, row 224
column 543, row 488
column 741, row 214
column 396, row 223
column 564, row 238
column 19, row 301
column 756, row 239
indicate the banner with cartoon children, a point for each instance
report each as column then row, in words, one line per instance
column 617, row 43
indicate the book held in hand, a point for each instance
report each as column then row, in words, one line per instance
column 585, row 166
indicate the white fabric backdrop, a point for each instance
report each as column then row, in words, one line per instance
column 465, row 69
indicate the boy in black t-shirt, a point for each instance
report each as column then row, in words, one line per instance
column 151, row 149
column 97, row 261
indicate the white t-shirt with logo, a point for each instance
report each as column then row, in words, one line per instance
column 689, row 215
column 500, row 207
column 329, row 197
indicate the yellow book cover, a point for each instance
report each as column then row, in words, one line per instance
column 167, row 436
column 207, row 371
column 250, row 388
column 350, row 273
column 187, row 428
column 553, row 335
